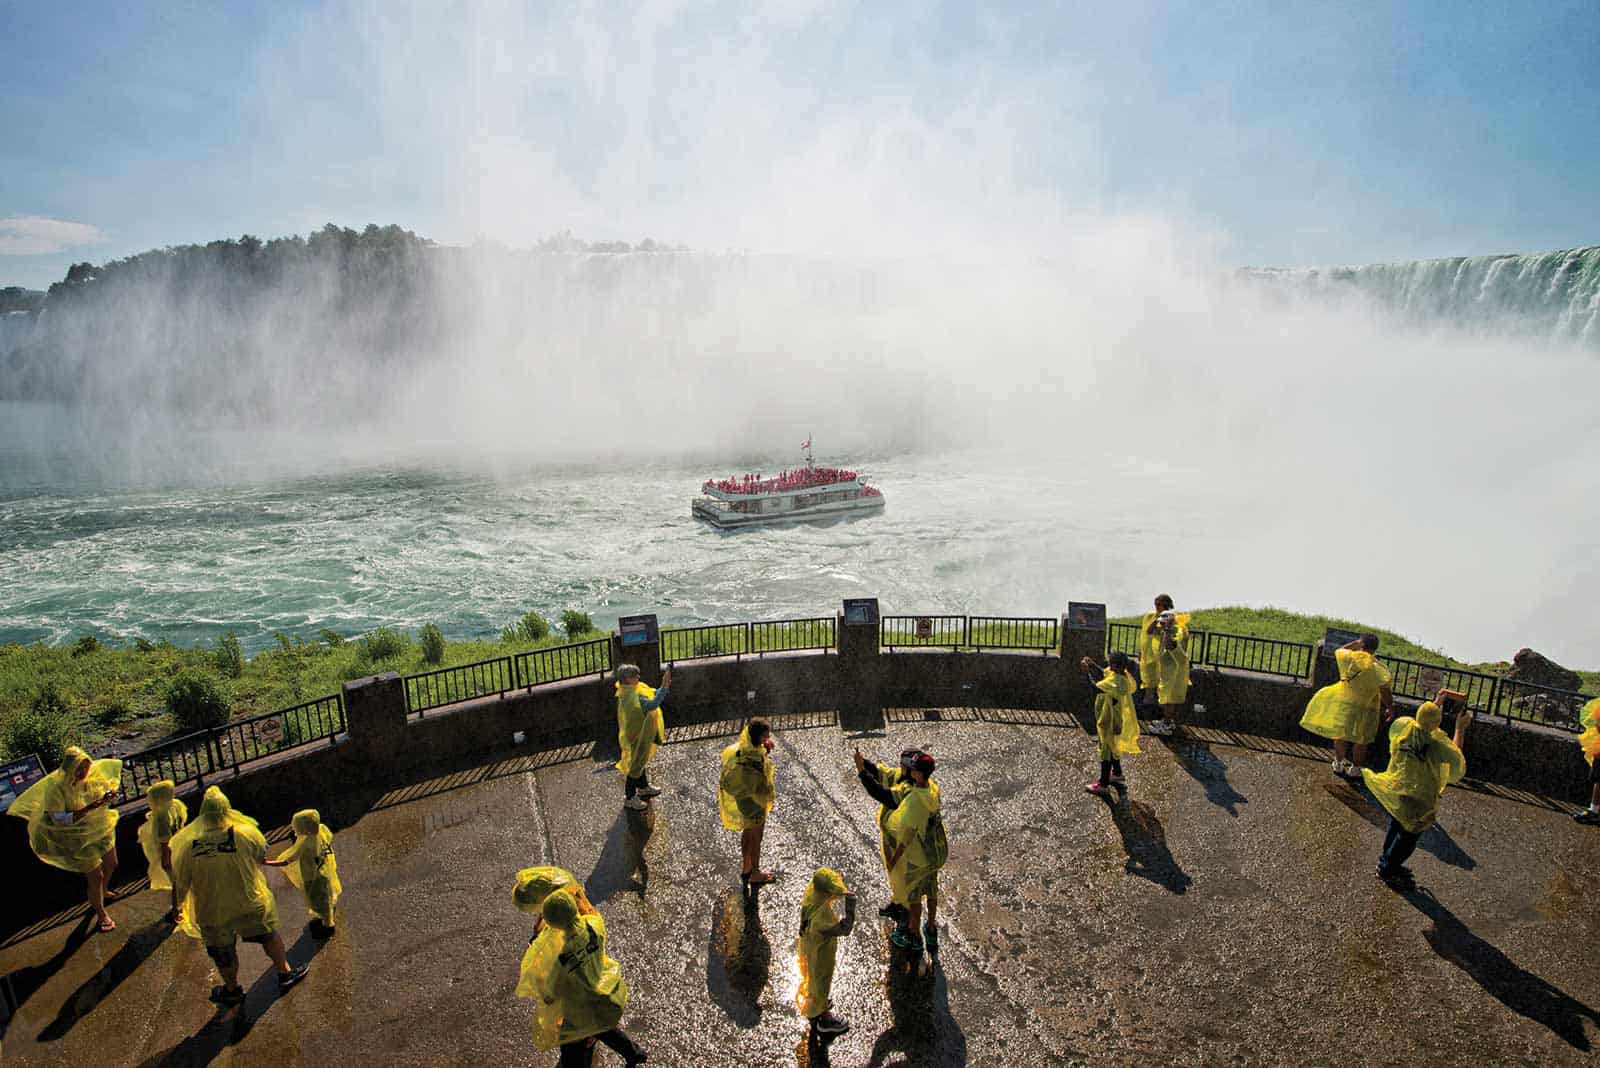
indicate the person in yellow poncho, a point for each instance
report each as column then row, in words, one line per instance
column 72, row 826
column 641, row 729
column 223, row 895
column 535, row 884
column 820, row 930
column 1116, row 723
column 745, row 794
column 1164, row 662
column 911, row 832
column 1423, row 760
column 579, row 992
column 166, row 818
column 1589, row 742
column 311, row 866
column 1348, row 711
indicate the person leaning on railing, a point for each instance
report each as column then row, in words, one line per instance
column 1348, row 711
column 73, row 826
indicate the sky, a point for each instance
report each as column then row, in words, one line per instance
column 1258, row 134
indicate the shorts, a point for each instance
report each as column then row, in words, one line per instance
column 752, row 812
column 257, row 931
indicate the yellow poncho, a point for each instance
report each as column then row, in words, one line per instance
column 639, row 734
column 905, row 855
column 216, row 866
column 1590, row 738
column 312, row 867
column 1115, row 722
column 1423, row 760
column 57, row 837
column 1161, row 669
column 747, row 789
column 166, row 818
column 1349, row 708
column 535, row 884
column 819, row 942
column 579, row 991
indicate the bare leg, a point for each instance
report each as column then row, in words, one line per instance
column 275, row 950
column 230, row 973
column 96, row 881
column 750, row 841
column 1594, row 796
column 1361, row 756
column 108, row 864
column 916, row 917
column 933, row 911
column 1341, row 749
column 1172, row 714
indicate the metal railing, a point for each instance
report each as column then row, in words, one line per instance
column 560, row 662
column 1013, row 632
column 446, row 686
column 792, row 635
column 213, row 749
column 698, row 643
column 1421, row 681
column 1241, row 652
column 1532, row 703
column 1122, row 638
column 937, row 632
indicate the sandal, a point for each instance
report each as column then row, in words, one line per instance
column 761, row 878
column 106, row 926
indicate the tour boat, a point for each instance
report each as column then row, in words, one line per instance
column 802, row 495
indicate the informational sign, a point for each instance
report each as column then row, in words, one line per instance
column 1334, row 638
column 638, row 630
column 1085, row 615
column 16, row 777
column 924, row 627
column 861, row 611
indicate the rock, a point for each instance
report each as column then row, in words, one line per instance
column 1529, row 666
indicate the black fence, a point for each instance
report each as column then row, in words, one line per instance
column 793, row 635
column 1013, row 632
column 1528, row 701
column 1421, row 681
column 560, row 662
column 1241, row 652
column 225, row 748
column 699, row 643
column 928, row 632
column 435, row 689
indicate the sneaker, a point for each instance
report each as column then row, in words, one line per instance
column 1589, row 815
column 640, row 1055
column 1396, row 877
column 649, row 791
column 898, row 913
column 637, row 804
column 829, row 1024
column 294, row 977
column 228, row 995
column 1099, row 789
column 1338, row 766
column 1157, row 727
column 930, row 935
column 904, row 939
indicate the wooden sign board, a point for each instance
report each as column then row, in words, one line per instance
column 1086, row 615
column 924, row 628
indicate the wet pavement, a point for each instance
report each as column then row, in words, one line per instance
column 1224, row 912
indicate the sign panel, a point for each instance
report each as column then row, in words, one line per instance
column 924, row 628
column 1334, row 638
column 16, row 777
column 638, row 630
column 861, row 611
column 1086, row 615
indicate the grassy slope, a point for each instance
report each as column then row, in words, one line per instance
column 119, row 691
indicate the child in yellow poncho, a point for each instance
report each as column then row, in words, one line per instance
column 745, row 794
column 535, row 884
column 1348, row 711
column 820, row 930
column 165, row 819
column 1589, row 742
column 1423, row 760
column 579, row 992
column 71, row 824
column 1116, row 723
column 311, row 866
column 641, row 729
column 223, row 895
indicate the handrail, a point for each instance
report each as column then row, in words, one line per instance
column 943, row 631
column 447, row 686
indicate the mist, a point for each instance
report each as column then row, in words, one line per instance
column 938, row 267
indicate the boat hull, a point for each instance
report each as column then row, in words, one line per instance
column 724, row 519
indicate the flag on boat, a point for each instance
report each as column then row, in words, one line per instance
column 806, row 444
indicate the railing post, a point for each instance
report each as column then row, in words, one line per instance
column 215, row 744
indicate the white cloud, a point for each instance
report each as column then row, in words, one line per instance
column 33, row 235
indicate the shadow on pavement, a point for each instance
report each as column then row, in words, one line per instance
column 1145, row 842
column 740, row 957
column 18, row 986
column 622, row 857
column 95, row 989
column 1209, row 770
column 1435, row 841
column 1501, row 978
column 921, row 1027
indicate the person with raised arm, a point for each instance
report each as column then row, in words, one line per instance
column 745, row 795
column 1423, row 760
column 641, row 729
column 1348, row 711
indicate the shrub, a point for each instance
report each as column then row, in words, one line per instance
column 195, row 700
column 510, row 634
column 432, row 644
column 383, row 643
column 576, row 623
column 144, row 645
column 229, row 656
column 86, row 645
column 46, row 732
column 284, row 644
column 112, row 712
column 332, row 637
column 49, row 702
column 533, row 627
